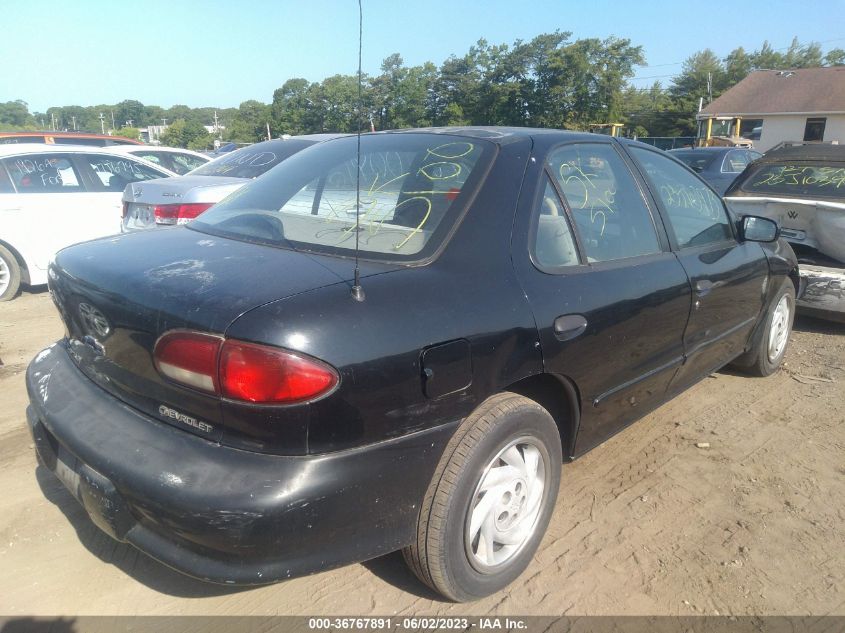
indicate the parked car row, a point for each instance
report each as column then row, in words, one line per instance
column 54, row 195
column 171, row 201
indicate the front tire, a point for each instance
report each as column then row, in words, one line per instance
column 10, row 275
column 490, row 500
column 766, row 356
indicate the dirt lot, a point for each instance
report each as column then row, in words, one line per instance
column 648, row 523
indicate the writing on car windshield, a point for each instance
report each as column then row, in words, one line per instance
column 250, row 162
column 827, row 181
column 409, row 192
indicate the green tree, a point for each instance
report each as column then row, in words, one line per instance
column 289, row 111
column 15, row 114
column 129, row 132
column 249, row 124
column 190, row 134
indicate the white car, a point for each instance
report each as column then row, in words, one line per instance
column 174, row 159
column 52, row 197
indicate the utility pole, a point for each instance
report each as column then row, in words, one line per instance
column 216, row 125
column 164, row 122
column 74, row 123
column 102, row 122
column 268, row 132
column 113, row 126
column 709, row 87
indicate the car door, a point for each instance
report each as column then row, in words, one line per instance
column 728, row 277
column 108, row 175
column 40, row 218
column 609, row 298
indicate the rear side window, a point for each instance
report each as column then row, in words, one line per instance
column 43, row 173
column 696, row 214
column 805, row 180
column 735, row 161
column 554, row 245
column 115, row 172
column 183, row 163
column 610, row 213
column 697, row 161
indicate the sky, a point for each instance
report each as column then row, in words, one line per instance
column 223, row 52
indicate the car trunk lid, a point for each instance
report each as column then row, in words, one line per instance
column 141, row 200
column 118, row 295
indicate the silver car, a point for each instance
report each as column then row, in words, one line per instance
column 171, row 201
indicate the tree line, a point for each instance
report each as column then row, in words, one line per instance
column 549, row 81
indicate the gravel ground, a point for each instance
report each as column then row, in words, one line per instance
column 647, row 523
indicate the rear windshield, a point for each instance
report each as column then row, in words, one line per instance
column 697, row 161
column 252, row 161
column 413, row 189
column 810, row 180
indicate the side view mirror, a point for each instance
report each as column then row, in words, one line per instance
column 757, row 229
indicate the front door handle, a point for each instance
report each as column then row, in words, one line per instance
column 569, row 326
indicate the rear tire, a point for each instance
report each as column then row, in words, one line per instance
column 10, row 275
column 766, row 356
column 489, row 501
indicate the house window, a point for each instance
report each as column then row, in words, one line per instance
column 751, row 129
column 814, row 130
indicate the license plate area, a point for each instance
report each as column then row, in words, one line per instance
column 67, row 471
column 140, row 215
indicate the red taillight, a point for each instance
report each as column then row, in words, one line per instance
column 189, row 358
column 179, row 213
column 260, row 374
column 242, row 371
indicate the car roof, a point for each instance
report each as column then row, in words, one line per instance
column 706, row 150
column 497, row 134
column 131, row 149
column 814, row 151
column 18, row 149
column 13, row 149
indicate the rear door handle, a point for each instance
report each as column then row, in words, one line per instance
column 704, row 286
column 569, row 326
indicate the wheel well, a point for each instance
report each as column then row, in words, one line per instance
column 559, row 396
column 21, row 261
column 796, row 281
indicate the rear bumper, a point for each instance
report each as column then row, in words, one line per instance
column 217, row 513
column 824, row 291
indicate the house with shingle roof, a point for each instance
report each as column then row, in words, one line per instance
column 774, row 106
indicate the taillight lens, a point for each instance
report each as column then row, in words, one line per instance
column 179, row 213
column 242, row 371
column 256, row 373
column 189, row 358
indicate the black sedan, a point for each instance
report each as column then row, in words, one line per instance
column 719, row 166
column 245, row 400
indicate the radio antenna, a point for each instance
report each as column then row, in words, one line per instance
column 357, row 290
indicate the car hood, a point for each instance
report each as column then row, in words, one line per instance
column 182, row 189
